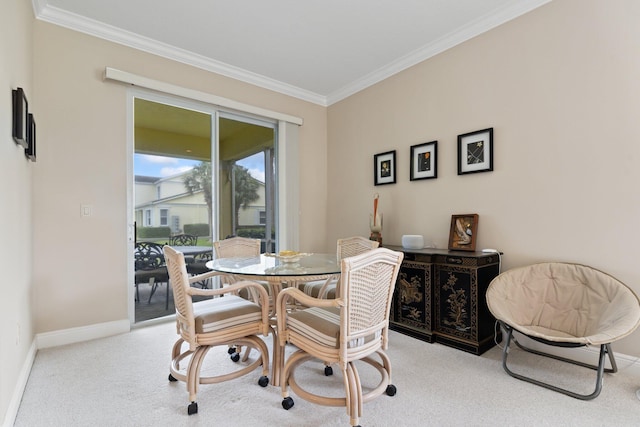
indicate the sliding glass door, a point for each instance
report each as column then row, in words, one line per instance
column 247, row 187
column 201, row 172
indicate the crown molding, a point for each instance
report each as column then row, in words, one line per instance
column 53, row 15
column 473, row 29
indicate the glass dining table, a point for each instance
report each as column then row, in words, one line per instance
column 279, row 272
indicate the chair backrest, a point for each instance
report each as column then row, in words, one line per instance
column 148, row 256
column 184, row 240
column 237, row 247
column 356, row 245
column 368, row 281
column 180, row 282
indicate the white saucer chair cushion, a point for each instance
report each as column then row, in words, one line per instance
column 564, row 303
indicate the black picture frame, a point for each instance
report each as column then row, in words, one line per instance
column 384, row 168
column 475, row 151
column 30, row 151
column 20, row 113
column 424, row 161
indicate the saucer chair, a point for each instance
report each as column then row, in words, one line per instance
column 563, row 305
column 226, row 319
column 349, row 329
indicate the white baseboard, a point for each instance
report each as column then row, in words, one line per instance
column 14, row 404
column 83, row 333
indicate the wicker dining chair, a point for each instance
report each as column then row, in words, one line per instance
column 346, row 247
column 344, row 331
column 238, row 247
column 224, row 320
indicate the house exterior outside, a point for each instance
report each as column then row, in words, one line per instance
column 165, row 202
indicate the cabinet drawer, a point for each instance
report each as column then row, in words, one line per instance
column 411, row 256
column 460, row 260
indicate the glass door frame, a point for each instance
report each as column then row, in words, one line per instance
column 200, row 107
column 271, row 177
column 216, row 113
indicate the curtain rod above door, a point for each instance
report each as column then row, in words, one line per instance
column 147, row 83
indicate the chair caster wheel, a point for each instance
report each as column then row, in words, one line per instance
column 391, row 390
column 328, row 371
column 263, row 381
column 192, row 408
column 231, row 350
column 172, row 378
column 235, row 357
column 287, row 403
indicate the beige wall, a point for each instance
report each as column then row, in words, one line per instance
column 560, row 87
column 16, row 327
column 80, row 272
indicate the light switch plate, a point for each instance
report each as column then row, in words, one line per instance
column 86, row 210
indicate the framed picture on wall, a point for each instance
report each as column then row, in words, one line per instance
column 463, row 232
column 475, row 151
column 30, row 151
column 20, row 113
column 384, row 168
column 424, row 161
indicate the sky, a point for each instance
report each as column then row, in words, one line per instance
column 159, row 166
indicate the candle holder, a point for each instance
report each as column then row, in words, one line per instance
column 375, row 225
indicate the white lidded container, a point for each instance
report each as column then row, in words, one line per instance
column 412, row 241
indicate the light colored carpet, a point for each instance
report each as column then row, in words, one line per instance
column 122, row 381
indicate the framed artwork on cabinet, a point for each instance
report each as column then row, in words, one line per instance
column 463, row 232
column 424, row 161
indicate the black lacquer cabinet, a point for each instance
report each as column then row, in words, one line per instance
column 440, row 297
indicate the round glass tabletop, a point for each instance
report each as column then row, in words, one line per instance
column 266, row 265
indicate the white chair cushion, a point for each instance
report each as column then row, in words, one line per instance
column 563, row 302
column 322, row 325
column 218, row 313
